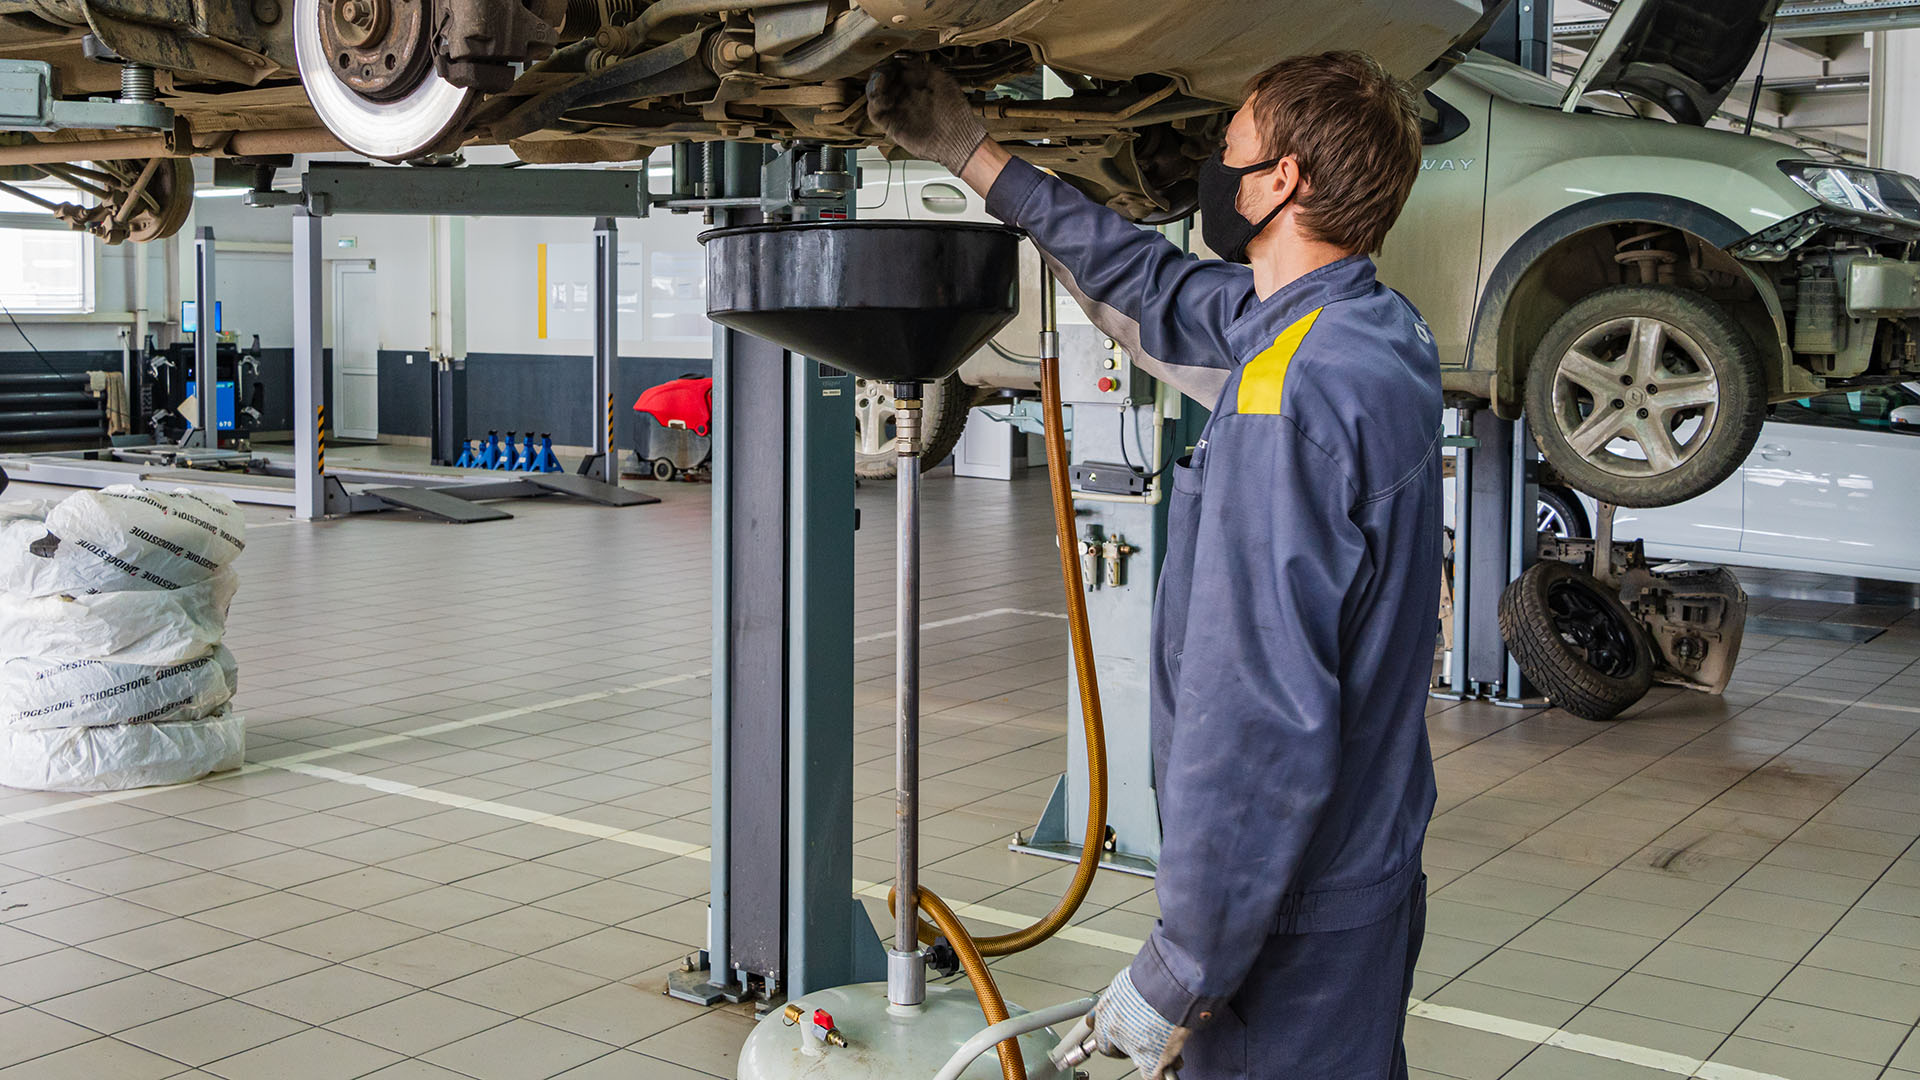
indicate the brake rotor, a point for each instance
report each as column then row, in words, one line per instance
column 367, row 66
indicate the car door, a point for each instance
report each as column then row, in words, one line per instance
column 1704, row 527
column 1830, row 482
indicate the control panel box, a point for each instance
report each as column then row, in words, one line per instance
column 1095, row 370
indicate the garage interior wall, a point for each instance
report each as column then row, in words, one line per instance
column 525, row 373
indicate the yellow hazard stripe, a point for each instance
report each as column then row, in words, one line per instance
column 1262, row 383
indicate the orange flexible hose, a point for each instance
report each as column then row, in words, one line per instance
column 1012, row 1065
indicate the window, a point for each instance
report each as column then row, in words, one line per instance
column 46, row 268
column 1439, row 121
column 1855, row 410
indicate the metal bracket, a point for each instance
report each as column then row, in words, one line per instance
column 29, row 102
column 467, row 190
column 808, row 178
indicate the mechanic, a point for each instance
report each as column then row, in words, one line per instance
column 1294, row 626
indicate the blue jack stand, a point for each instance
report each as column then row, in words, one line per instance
column 468, row 458
column 545, row 461
column 507, row 457
column 529, row 457
column 489, row 451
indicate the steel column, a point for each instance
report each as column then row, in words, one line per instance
column 606, row 346
column 309, row 389
column 206, row 342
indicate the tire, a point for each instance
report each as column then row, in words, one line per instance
column 943, row 417
column 1592, row 395
column 662, row 469
column 1560, row 515
column 1575, row 641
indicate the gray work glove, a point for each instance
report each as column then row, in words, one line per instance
column 925, row 113
column 1125, row 1026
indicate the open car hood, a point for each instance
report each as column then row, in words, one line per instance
column 1682, row 55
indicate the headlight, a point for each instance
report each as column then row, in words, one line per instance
column 1870, row 191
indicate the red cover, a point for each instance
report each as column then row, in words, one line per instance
column 689, row 402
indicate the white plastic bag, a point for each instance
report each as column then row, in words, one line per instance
column 152, row 628
column 26, row 510
column 126, row 537
column 126, row 756
column 39, row 694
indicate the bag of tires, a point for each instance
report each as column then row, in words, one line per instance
column 121, row 756
column 113, row 604
column 151, row 628
column 38, row 694
column 118, row 539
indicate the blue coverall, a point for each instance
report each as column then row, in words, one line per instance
column 1293, row 642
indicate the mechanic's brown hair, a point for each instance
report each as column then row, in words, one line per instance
column 1355, row 131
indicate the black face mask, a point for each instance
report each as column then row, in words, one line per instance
column 1225, row 229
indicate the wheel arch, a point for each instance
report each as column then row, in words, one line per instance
column 1552, row 266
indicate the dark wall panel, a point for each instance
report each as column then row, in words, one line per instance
column 505, row 391
column 406, row 393
column 518, row 392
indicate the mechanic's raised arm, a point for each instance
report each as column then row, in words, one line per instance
column 1169, row 309
column 1257, row 749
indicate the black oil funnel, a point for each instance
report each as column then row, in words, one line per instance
column 895, row 301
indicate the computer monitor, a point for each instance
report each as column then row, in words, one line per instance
column 190, row 317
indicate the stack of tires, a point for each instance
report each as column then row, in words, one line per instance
column 113, row 604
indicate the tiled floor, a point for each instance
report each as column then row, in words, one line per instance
column 470, row 839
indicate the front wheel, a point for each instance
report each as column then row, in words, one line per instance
column 1575, row 641
column 1646, row 395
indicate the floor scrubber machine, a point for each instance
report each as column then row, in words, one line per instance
column 905, row 303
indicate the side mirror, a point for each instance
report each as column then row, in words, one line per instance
column 1906, row 419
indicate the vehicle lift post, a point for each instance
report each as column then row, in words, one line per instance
column 604, row 462
column 206, row 343
column 782, row 918
column 1496, row 489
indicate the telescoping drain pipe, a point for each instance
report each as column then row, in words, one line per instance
column 974, row 951
column 796, row 284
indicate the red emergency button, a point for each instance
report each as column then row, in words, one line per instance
column 1108, row 384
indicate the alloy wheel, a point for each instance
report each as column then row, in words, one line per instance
column 1636, row 397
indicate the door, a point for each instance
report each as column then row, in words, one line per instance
column 356, row 352
column 1831, row 482
column 1704, row 527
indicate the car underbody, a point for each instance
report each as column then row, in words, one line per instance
column 1141, row 95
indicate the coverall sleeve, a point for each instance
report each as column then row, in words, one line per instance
column 1257, row 707
column 1169, row 308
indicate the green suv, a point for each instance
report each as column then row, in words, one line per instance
column 1643, row 289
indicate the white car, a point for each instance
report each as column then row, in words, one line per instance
column 1828, row 488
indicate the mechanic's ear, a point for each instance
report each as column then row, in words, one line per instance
column 1284, row 181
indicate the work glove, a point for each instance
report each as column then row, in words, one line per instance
column 1125, row 1026
column 925, row 113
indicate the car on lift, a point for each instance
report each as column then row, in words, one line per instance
column 1646, row 288
column 1145, row 91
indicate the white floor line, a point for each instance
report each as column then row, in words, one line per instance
column 1590, row 1045
column 958, row 619
column 1881, row 705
